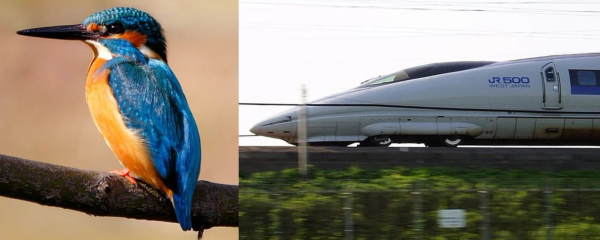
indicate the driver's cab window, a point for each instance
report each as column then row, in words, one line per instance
column 383, row 80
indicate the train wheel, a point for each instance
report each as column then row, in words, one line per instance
column 376, row 142
column 453, row 141
column 384, row 143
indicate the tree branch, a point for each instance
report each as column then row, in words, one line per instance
column 105, row 194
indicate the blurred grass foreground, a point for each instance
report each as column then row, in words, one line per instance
column 403, row 203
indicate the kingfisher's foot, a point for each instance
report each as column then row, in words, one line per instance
column 124, row 173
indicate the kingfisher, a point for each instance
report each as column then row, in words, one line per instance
column 137, row 103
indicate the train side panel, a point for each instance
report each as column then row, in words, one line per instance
column 544, row 99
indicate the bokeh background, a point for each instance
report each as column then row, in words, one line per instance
column 44, row 117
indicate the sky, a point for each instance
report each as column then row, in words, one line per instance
column 333, row 45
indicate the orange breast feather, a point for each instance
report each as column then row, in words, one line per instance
column 126, row 144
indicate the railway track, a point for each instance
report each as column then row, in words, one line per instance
column 258, row 159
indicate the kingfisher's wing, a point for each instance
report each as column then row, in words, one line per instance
column 153, row 104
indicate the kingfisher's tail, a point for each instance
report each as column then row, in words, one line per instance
column 183, row 208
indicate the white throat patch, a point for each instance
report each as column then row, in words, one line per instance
column 100, row 50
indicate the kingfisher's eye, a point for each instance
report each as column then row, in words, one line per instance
column 115, row 28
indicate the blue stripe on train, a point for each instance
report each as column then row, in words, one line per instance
column 585, row 90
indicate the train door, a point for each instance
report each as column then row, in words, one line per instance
column 551, row 83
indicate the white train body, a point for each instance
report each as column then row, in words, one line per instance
column 545, row 100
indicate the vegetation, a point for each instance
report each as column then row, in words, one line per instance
column 403, row 203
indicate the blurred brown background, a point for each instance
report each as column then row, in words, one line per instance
column 44, row 117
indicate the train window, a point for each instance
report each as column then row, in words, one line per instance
column 586, row 78
column 401, row 76
column 383, row 80
column 422, row 71
column 584, row 81
column 550, row 74
column 418, row 71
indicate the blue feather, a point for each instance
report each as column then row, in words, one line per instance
column 153, row 104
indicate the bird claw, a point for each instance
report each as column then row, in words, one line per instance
column 124, row 173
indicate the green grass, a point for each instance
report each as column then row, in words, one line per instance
column 384, row 204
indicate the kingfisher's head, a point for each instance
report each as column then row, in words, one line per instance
column 102, row 28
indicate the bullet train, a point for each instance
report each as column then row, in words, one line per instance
column 551, row 100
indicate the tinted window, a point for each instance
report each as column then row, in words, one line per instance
column 423, row 71
column 383, row 80
column 586, row 78
column 584, row 81
column 419, row 71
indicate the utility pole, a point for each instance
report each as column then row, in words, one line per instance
column 302, row 151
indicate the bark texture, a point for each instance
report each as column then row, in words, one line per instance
column 105, row 194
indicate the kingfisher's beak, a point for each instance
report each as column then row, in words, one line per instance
column 66, row 32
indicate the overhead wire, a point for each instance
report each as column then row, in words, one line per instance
column 496, row 6
column 412, row 32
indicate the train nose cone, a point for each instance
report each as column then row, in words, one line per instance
column 256, row 129
column 280, row 128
